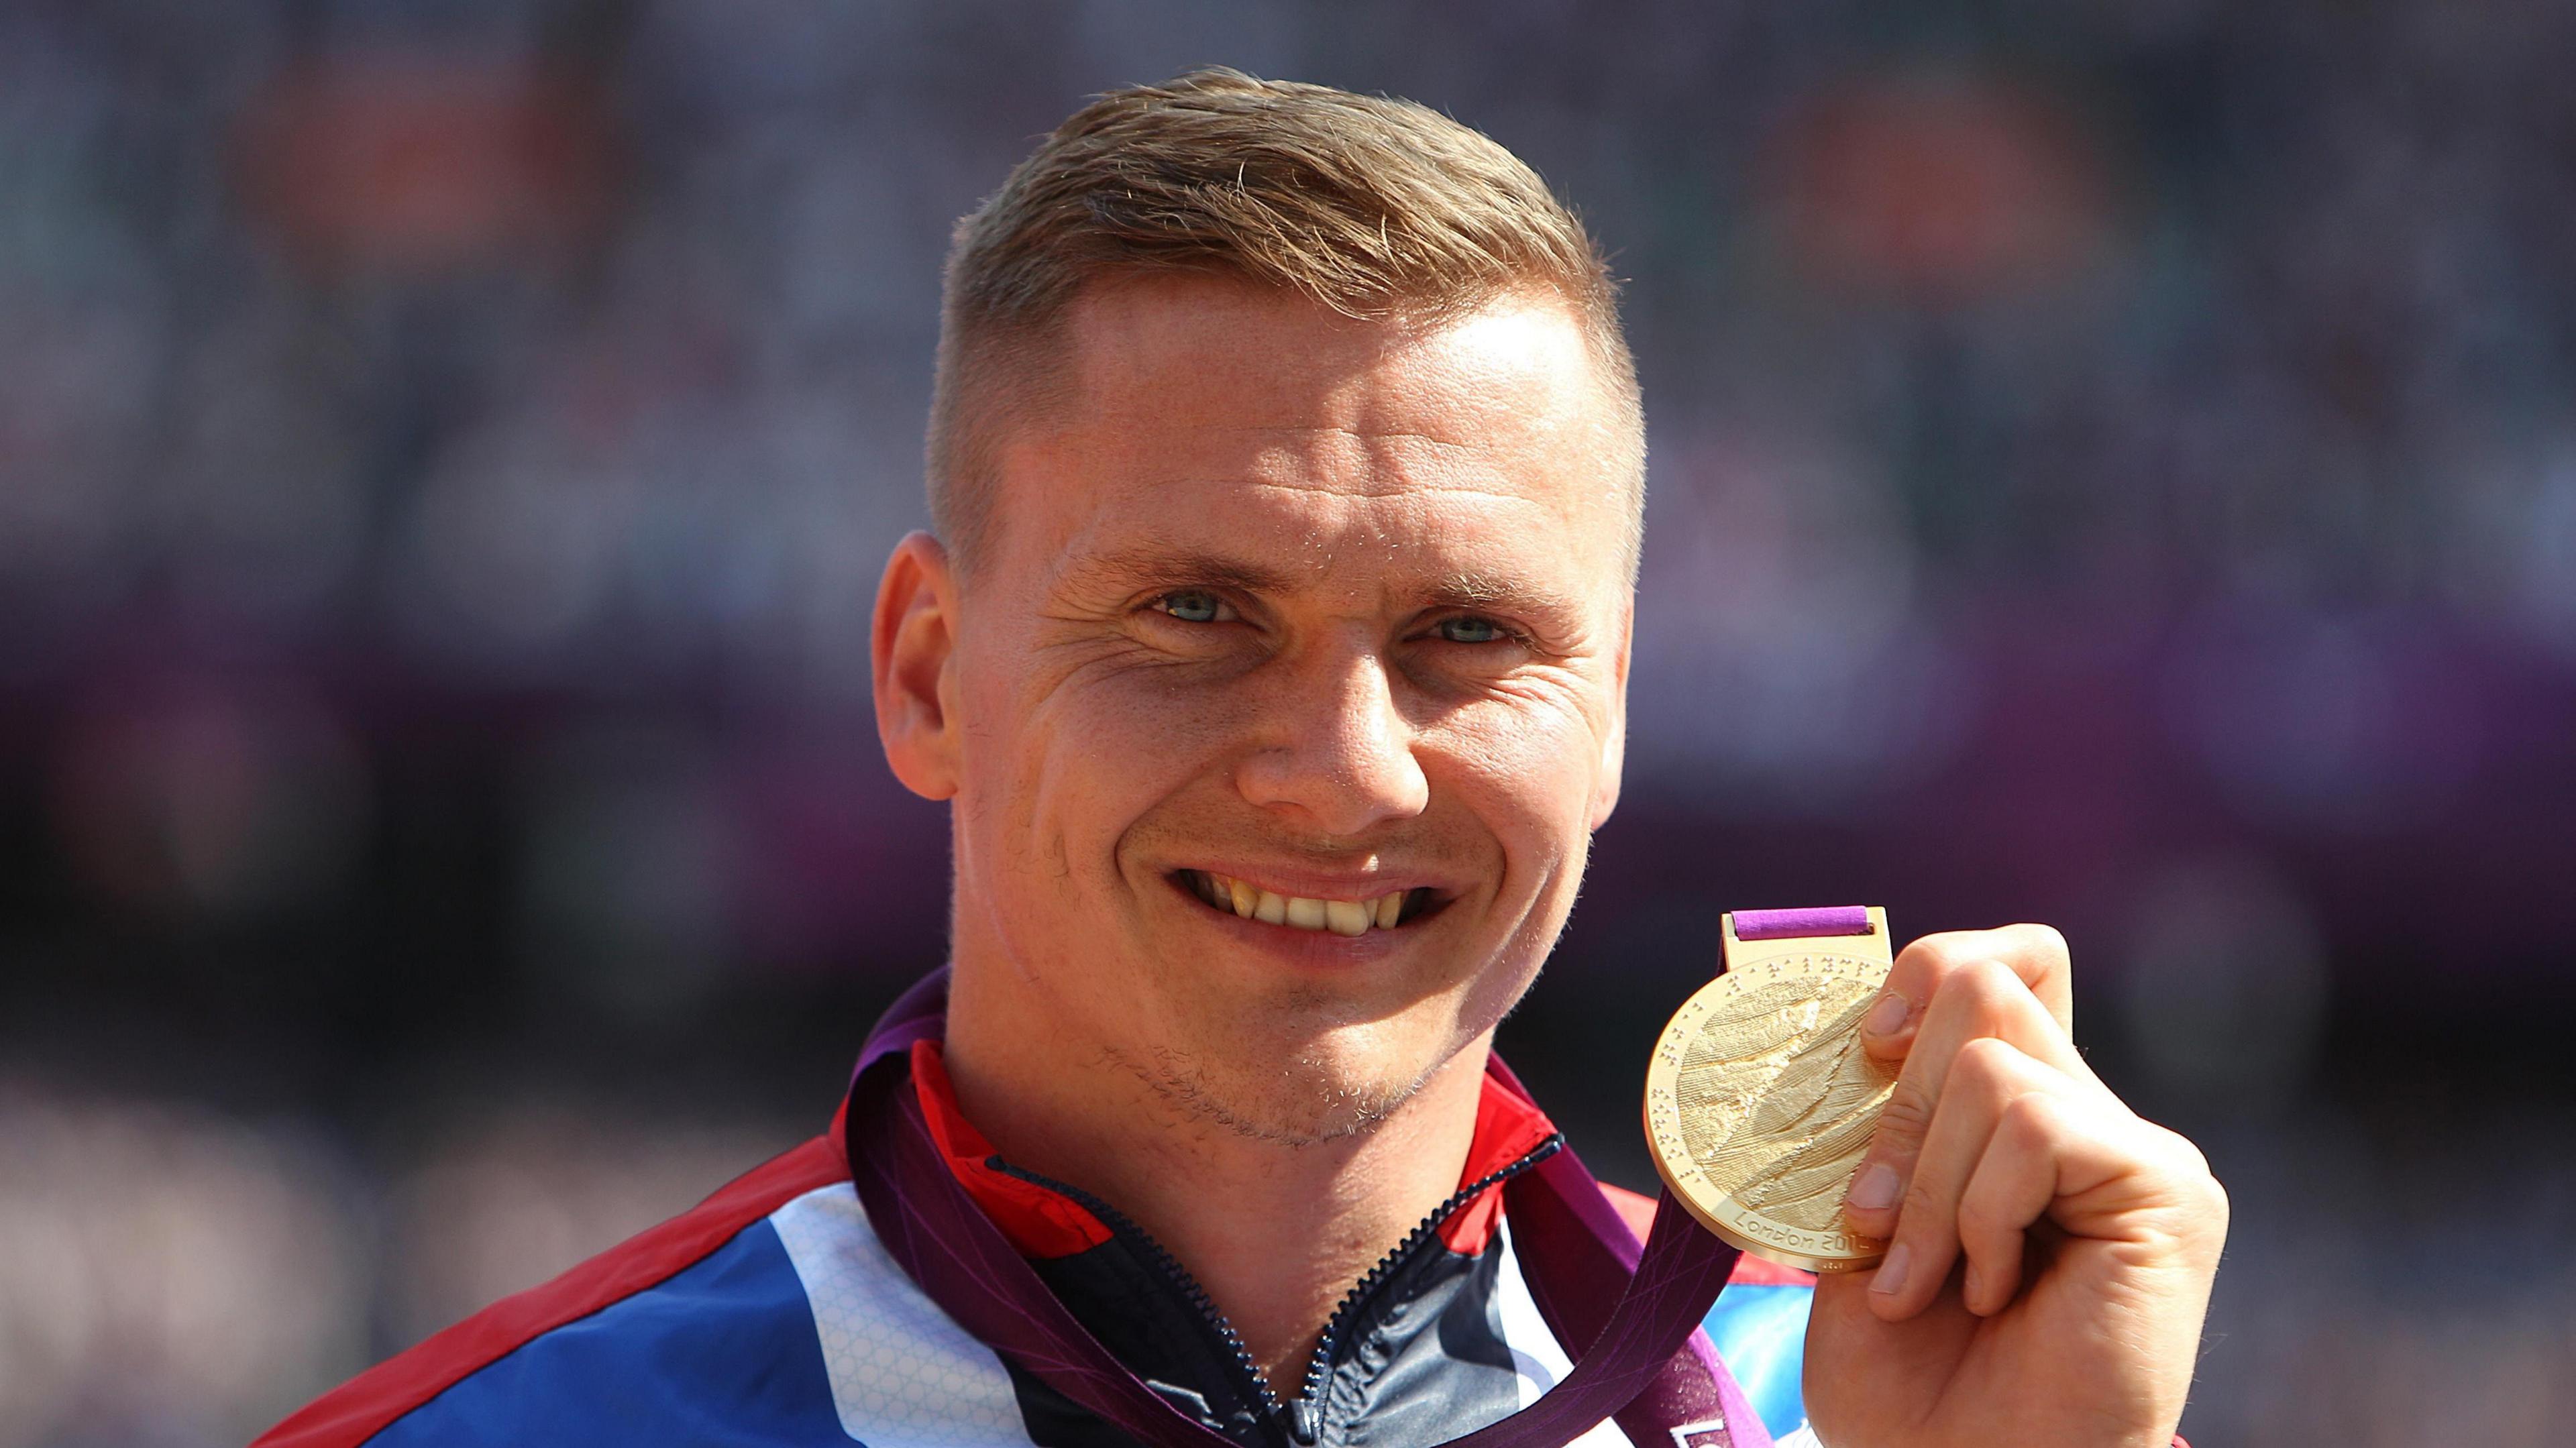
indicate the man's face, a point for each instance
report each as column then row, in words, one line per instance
column 1287, row 614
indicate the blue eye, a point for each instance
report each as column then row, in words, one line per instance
column 1470, row 630
column 1192, row 605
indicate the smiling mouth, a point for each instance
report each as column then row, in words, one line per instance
column 1297, row 912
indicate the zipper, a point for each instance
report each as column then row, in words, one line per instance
column 1307, row 1424
column 1304, row 1418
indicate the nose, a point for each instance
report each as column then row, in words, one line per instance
column 1337, row 754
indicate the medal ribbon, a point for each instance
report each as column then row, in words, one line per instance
column 1648, row 1366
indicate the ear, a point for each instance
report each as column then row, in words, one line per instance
column 1614, row 740
column 913, row 649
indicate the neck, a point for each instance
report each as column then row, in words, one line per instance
column 1275, row 1232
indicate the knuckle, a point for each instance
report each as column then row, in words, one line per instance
column 1907, row 1114
column 1986, row 1063
column 1990, row 982
column 1923, row 1201
column 2046, row 943
column 2030, row 1122
column 2196, row 1161
column 2181, row 1154
column 1939, row 953
column 2213, row 1194
column 1987, row 997
column 2192, row 1165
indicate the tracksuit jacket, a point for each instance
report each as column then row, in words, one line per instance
column 769, row 1314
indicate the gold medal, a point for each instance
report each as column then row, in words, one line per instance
column 1760, row 1101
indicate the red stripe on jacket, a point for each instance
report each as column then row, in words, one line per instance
column 1038, row 1221
column 368, row 1403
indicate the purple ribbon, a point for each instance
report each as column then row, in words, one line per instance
column 1783, row 924
column 1639, row 1309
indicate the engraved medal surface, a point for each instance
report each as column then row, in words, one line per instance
column 1760, row 1101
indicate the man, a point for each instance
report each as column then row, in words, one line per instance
column 1271, row 654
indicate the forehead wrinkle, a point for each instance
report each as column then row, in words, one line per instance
column 1395, row 489
column 1354, row 447
column 1340, row 430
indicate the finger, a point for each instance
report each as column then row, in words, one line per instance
column 1977, row 1000
column 2036, row 954
column 1986, row 1078
column 2023, row 1171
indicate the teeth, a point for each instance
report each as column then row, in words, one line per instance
column 1342, row 917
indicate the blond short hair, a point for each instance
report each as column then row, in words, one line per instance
column 1376, row 208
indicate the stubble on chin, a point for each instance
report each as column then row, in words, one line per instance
column 1300, row 1104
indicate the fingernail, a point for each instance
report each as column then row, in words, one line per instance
column 1886, row 1016
column 1891, row 1273
column 1875, row 1191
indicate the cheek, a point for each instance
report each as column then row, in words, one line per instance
column 1530, row 772
column 1529, row 780
column 1081, row 756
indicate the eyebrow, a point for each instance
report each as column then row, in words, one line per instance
column 1484, row 590
column 1133, row 567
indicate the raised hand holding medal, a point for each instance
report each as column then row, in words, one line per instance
column 2021, row 1208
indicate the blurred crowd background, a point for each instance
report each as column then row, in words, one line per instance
column 2113, row 464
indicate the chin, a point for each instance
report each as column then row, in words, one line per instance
column 1302, row 1064
column 1307, row 1100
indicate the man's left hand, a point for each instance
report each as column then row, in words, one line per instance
column 2049, row 1255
